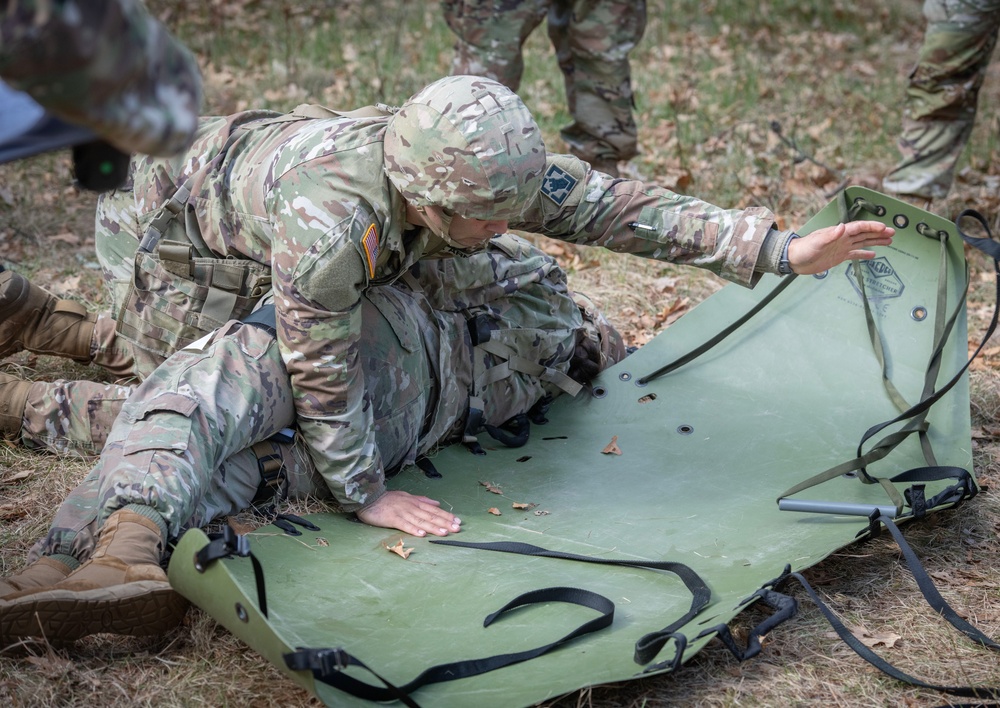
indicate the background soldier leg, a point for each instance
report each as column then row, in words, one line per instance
column 943, row 94
column 489, row 36
column 593, row 39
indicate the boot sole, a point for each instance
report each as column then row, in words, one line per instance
column 134, row 609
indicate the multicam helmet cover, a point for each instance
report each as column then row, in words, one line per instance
column 468, row 146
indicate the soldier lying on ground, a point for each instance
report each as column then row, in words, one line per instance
column 327, row 207
column 185, row 449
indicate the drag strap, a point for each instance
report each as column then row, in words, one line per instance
column 934, row 599
column 702, row 348
column 328, row 665
column 784, row 608
column 226, row 545
column 931, row 594
column 650, row 644
column 848, row 212
column 914, row 414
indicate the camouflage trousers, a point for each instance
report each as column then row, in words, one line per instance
column 943, row 94
column 592, row 40
column 182, row 440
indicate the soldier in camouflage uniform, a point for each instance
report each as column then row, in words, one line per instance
column 592, row 40
column 106, row 65
column 334, row 207
column 185, row 443
column 943, row 94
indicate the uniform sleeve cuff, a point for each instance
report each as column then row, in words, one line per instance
column 771, row 251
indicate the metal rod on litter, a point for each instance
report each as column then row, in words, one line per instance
column 826, row 507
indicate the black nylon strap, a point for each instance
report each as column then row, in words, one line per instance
column 513, row 433
column 878, row 662
column 848, row 212
column 327, row 665
column 784, row 608
column 226, row 545
column 933, row 598
column 915, row 413
column 701, row 349
column 650, row 644
column 931, row 594
column 992, row 249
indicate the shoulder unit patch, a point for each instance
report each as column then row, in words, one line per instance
column 557, row 184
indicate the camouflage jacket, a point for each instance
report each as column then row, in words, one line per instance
column 106, row 65
column 310, row 198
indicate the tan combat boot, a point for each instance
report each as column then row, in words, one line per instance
column 13, row 397
column 121, row 589
column 43, row 573
column 34, row 319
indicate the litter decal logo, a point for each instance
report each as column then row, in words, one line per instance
column 557, row 184
column 879, row 277
column 370, row 243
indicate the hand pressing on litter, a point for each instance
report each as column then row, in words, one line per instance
column 828, row 247
column 415, row 515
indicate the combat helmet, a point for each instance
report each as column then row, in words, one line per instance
column 468, row 146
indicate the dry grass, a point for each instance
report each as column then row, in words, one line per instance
column 711, row 77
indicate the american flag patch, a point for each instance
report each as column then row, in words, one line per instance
column 370, row 243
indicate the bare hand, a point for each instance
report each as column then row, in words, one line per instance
column 410, row 514
column 828, row 247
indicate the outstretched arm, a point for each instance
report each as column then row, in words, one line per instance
column 827, row 247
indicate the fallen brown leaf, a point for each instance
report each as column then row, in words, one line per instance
column 887, row 639
column 10, row 512
column 399, row 550
column 490, row 486
column 17, row 477
column 239, row 527
column 523, row 505
column 493, row 510
column 66, row 237
column 612, row 447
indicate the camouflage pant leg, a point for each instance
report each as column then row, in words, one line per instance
column 489, row 36
column 74, row 528
column 181, row 442
column 173, row 434
column 943, row 93
column 593, row 39
column 116, row 239
column 71, row 417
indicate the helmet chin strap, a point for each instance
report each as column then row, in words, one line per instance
column 439, row 222
column 435, row 219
